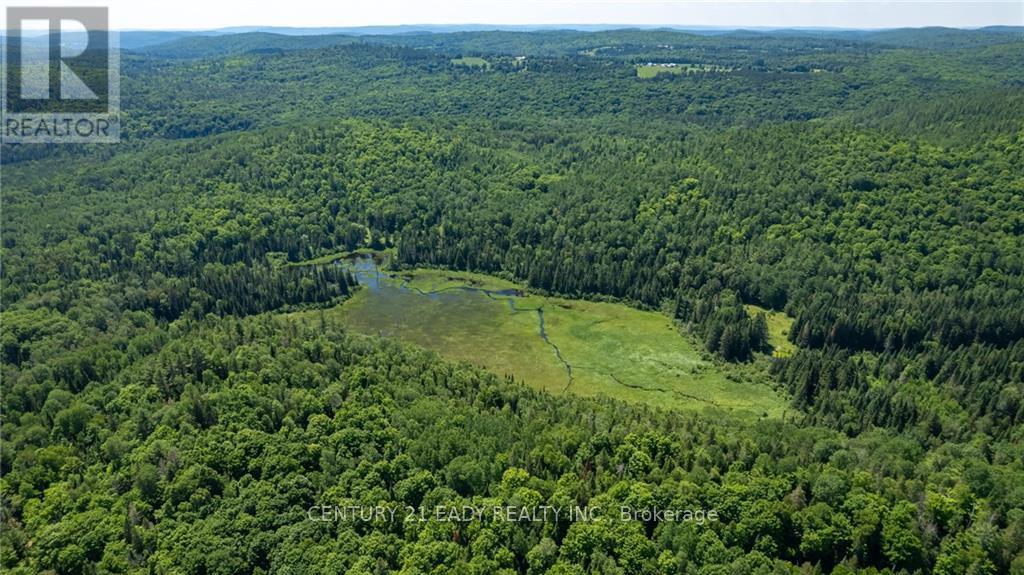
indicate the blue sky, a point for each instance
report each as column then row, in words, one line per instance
column 203, row 14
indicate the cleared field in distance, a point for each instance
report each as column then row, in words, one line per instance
column 652, row 70
column 471, row 61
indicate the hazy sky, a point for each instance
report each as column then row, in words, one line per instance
column 203, row 14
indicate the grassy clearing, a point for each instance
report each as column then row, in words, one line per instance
column 779, row 325
column 639, row 356
column 471, row 61
column 613, row 349
column 652, row 70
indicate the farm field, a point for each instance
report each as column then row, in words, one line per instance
column 471, row 61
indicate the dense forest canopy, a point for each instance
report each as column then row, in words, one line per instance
column 165, row 411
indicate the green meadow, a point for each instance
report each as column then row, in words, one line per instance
column 610, row 349
column 471, row 61
column 779, row 325
column 650, row 71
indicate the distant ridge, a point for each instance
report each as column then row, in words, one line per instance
column 140, row 39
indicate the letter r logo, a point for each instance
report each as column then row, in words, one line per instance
column 63, row 69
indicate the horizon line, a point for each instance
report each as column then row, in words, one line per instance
column 558, row 25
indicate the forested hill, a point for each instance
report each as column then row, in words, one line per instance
column 571, row 42
column 165, row 411
column 751, row 79
column 732, row 80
